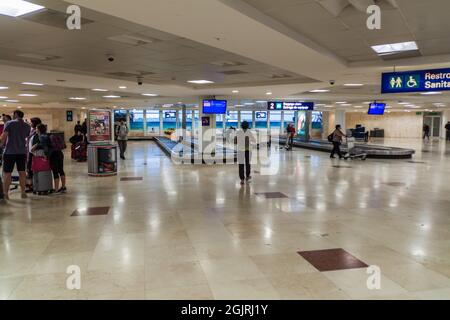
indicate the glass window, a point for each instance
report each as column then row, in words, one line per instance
column 289, row 118
column 261, row 119
column 232, row 119
column 137, row 120
column 275, row 122
column 169, row 121
column 120, row 115
column 153, row 121
column 247, row 116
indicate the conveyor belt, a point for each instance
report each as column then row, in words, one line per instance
column 372, row 151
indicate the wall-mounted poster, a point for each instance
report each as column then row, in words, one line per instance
column 99, row 126
column 206, row 122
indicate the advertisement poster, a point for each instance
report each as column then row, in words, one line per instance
column 99, row 126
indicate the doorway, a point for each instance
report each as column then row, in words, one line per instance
column 434, row 121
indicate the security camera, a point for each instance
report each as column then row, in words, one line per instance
column 140, row 81
column 111, row 58
column 332, row 82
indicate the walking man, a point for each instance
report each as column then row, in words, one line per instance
column 14, row 139
column 122, row 137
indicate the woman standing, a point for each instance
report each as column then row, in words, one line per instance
column 57, row 162
column 31, row 141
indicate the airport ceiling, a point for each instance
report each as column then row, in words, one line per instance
column 248, row 47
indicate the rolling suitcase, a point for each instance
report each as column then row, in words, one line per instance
column 42, row 182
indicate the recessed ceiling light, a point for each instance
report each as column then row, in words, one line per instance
column 319, row 90
column 200, row 81
column 328, row 106
column 19, row 107
column 150, row 94
column 341, row 102
column 27, row 95
column 100, row 90
column 17, row 8
column 238, row 105
column 122, row 87
column 430, row 93
column 235, row 91
column 268, row 93
column 249, row 103
column 32, row 84
column 353, row 85
column 111, row 97
column 4, row 88
column 14, row 101
column 391, row 48
column 346, row 104
column 403, row 103
column 2, row 97
column 77, row 98
column 83, row 108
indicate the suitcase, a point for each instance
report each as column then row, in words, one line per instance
column 42, row 181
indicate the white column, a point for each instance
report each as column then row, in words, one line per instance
column 161, row 125
column 340, row 119
column 145, row 122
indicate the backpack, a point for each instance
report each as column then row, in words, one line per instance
column 57, row 142
column 330, row 137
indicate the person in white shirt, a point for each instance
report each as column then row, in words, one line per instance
column 245, row 139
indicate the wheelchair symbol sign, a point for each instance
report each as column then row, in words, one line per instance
column 413, row 81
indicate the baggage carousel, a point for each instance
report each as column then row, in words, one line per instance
column 372, row 150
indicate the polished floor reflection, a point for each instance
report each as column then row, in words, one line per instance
column 192, row 232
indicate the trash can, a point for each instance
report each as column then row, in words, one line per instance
column 102, row 159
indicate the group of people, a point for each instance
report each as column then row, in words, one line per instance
column 28, row 148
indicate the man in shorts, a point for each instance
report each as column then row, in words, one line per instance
column 13, row 139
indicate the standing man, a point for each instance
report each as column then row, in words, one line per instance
column 426, row 132
column 447, row 131
column 337, row 140
column 245, row 139
column 14, row 139
column 78, row 127
column 122, row 137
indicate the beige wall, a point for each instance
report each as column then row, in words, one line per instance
column 395, row 124
column 55, row 119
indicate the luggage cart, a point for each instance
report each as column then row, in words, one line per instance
column 353, row 152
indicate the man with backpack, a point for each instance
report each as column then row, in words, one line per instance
column 122, row 137
column 336, row 139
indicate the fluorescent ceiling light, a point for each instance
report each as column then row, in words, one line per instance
column 403, row 103
column 329, row 106
column 358, row 107
column 17, row 8
column 83, row 108
column 122, row 87
column 268, row 93
column 200, row 81
column 27, row 95
column 235, row 91
column 392, row 48
column 111, row 97
column 150, row 94
column 4, row 88
column 319, row 90
column 353, row 84
column 2, row 97
column 238, row 105
column 346, row 105
column 341, row 102
column 430, row 93
column 100, row 90
column 261, row 101
column 12, row 101
column 249, row 103
column 32, row 84
column 320, row 105
column 77, row 98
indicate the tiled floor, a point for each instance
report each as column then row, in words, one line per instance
column 192, row 232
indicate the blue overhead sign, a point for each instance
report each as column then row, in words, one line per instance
column 416, row 81
column 288, row 105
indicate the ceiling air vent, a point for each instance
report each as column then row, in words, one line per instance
column 36, row 56
column 133, row 39
column 224, row 64
column 52, row 18
column 233, row 72
column 281, row 76
column 121, row 74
